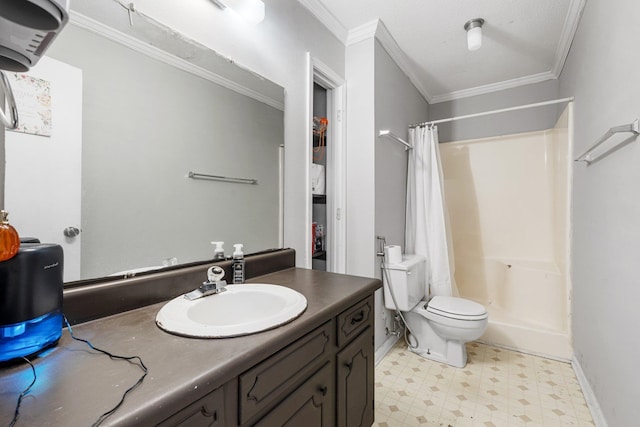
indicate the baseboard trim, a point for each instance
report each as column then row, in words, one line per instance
column 589, row 396
column 386, row 346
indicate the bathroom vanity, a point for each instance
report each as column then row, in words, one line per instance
column 317, row 369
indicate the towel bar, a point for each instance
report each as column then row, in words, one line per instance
column 395, row 138
column 631, row 127
column 194, row 175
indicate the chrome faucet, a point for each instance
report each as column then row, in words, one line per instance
column 213, row 285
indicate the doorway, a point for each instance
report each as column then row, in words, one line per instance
column 326, row 137
column 320, row 150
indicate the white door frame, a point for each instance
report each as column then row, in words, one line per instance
column 320, row 73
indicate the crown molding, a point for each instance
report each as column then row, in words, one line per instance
column 493, row 87
column 99, row 28
column 363, row 32
column 378, row 30
column 400, row 58
column 327, row 19
column 571, row 21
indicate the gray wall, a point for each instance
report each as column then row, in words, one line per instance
column 528, row 120
column 145, row 125
column 397, row 104
column 602, row 73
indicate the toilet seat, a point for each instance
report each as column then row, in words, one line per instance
column 456, row 308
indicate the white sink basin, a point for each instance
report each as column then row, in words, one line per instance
column 239, row 310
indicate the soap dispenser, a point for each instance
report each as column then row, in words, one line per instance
column 9, row 239
column 238, row 264
column 218, row 252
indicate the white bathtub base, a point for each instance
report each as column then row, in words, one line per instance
column 540, row 342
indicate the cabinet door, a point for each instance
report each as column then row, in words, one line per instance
column 354, row 387
column 206, row 412
column 310, row 405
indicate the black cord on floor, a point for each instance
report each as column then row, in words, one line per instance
column 16, row 414
column 139, row 362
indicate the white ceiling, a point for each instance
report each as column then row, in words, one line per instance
column 524, row 41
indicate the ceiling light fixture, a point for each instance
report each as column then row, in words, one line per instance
column 474, row 33
column 251, row 10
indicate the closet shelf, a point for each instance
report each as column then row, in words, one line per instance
column 320, row 199
column 320, row 255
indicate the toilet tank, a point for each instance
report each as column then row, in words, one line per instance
column 407, row 280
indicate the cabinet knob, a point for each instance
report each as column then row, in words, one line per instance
column 348, row 365
column 323, row 390
column 358, row 317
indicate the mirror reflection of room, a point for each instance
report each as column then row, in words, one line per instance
column 119, row 147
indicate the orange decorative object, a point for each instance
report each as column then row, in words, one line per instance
column 9, row 239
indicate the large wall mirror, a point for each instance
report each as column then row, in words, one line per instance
column 134, row 109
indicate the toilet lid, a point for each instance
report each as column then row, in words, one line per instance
column 456, row 308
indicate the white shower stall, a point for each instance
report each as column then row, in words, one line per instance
column 509, row 207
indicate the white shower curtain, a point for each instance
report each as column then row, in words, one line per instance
column 427, row 226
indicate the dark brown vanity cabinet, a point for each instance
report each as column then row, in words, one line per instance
column 354, row 385
column 206, row 412
column 355, row 366
column 311, row 404
column 274, row 384
column 323, row 379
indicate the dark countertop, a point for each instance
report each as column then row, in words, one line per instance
column 76, row 385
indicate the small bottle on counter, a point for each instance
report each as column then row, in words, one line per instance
column 218, row 252
column 9, row 239
column 238, row 264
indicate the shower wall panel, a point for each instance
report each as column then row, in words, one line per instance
column 508, row 205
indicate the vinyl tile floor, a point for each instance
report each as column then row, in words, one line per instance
column 497, row 388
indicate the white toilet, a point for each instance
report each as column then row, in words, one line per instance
column 443, row 324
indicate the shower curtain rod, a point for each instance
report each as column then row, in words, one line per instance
column 486, row 113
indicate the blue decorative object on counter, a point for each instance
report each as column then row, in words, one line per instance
column 30, row 300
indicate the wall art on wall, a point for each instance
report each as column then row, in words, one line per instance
column 33, row 99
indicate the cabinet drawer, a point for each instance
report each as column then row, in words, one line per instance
column 208, row 411
column 269, row 381
column 354, row 320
